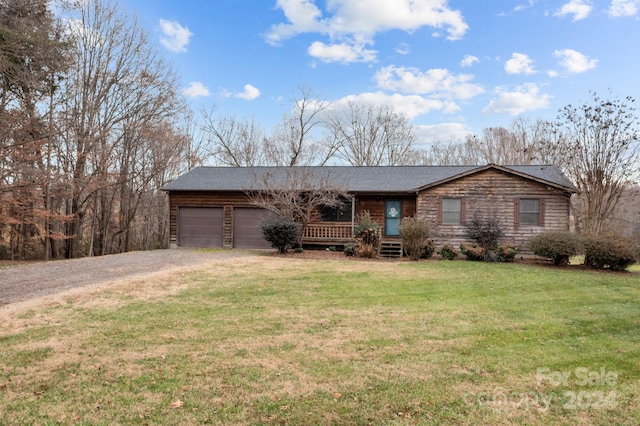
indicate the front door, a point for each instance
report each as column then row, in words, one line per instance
column 392, row 217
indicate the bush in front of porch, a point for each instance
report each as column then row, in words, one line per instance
column 414, row 233
column 367, row 233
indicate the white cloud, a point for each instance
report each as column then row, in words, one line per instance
column 357, row 22
column 518, row 8
column 519, row 64
column 579, row 9
column 366, row 17
column 438, row 82
column 573, row 61
column 195, row 90
column 524, row 6
column 524, row 98
column 469, row 60
column 250, row 93
column 370, row 17
column 409, row 105
column 341, row 52
column 304, row 17
column 175, row 37
column 621, row 8
column 440, row 132
column 403, row 49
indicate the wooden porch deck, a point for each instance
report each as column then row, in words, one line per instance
column 328, row 233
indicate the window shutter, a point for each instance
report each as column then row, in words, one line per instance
column 439, row 214
column 516, row 213
column 541, row 214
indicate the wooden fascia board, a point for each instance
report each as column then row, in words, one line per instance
column 385, row 193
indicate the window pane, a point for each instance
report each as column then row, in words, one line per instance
column 529, row 212
column 334, row 214
column 451, row 204
column 451, row 210
column 344, row 215
column 328, row 214
column 529, row 218
column 529, row 206
column 450, row 217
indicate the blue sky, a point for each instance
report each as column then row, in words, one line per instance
column 452, row 67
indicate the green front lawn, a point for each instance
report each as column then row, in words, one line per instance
column 279, row 340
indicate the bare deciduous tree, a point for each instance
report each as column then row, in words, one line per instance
column 598, row 143
column 441, row 153
column 293, row 142
column 297, row 193
column 521, row 143
column 370, row 135
column 234, row 142
column 196, row 153
column 498, row 145
column 625, row 219
column 243, row 142
column 117, row 91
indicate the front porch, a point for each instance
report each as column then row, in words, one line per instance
column 339, row 234
column 323, row 233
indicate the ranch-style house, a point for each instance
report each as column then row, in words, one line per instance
column 209, row 206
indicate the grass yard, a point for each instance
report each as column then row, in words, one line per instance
column 280, row 340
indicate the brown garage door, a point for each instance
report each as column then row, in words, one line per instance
column 200, row 227
column 246, row 228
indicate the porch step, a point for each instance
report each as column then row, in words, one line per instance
column 391, row 249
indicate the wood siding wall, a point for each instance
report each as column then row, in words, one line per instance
column 226, row 200
column 375, row 206
column 490, row 192
column 494, row 193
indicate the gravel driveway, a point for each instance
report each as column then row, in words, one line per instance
column 41, row 279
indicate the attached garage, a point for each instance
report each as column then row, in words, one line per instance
column 246, row 228
column 200, row 227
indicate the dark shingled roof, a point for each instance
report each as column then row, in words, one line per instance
column 353, row 179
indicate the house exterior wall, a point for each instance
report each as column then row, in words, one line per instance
column 496, row 194
column 490, row 192
column 229, row 200
column 226, row 200
column 374, row 204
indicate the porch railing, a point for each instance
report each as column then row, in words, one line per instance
column 328, row 232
